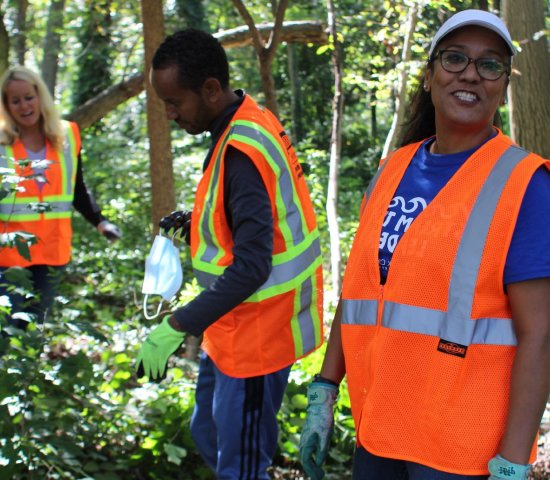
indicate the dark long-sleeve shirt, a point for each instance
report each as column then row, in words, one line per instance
column 84, row 201
column 248, row 212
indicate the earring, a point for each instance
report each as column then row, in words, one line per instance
column 426, row 88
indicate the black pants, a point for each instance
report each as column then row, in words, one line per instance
column 42, row 283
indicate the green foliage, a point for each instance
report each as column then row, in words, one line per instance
column 70, row 407
column 95, row 59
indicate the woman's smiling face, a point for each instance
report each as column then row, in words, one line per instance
column 23, row 103
column 465, row 101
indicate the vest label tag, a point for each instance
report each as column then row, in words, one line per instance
column 452, row 348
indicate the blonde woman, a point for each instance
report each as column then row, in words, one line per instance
column 44, row 152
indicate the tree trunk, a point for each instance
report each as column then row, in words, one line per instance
column 265, row 50
column 401, row 94
column 102, row 104
column 295, row 94
column 158, row 128
column 373, row 119
column 21, row 25
column 4, row 45
column 483, row 5
column 335, row 149
column 52, row 43
column 528, row 91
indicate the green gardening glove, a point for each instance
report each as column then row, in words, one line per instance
column 162, row 342
column 502, row 469
column 318, row 428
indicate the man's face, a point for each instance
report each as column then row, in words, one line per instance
column 186, row 107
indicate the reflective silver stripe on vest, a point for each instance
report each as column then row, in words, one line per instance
column 456, row 325
column 495, row 331
column 359, row 312
column 305, row 320
column 286, row 188
column 211, row 251
column 293, row 215
column 280, row 273
column 17, row 208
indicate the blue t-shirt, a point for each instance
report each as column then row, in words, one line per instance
column 529, row 253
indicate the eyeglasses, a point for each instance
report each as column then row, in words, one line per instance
column 456, row 62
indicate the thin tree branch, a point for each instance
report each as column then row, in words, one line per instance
column 275, row 37
column 257, row 39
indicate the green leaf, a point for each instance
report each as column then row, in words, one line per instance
column 174, row 453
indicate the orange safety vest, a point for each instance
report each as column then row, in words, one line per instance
column 52, row 227
column 429, row 354
column 282, row 320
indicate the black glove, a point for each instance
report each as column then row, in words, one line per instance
column 178, row 220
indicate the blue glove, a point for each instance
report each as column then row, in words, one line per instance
column 502, row 469
column 162, row 342
column 318, row 428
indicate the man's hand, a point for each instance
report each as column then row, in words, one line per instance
column 318, row 428
column 109, row 230
column 178, row 220
column 162, row 342
column 502, row 469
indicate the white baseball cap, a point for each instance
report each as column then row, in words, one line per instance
column 480, row 18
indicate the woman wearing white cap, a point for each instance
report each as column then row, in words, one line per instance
column 446, row 350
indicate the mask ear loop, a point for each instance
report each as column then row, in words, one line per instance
column 146, row 313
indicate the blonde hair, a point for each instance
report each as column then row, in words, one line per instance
column 50, row 118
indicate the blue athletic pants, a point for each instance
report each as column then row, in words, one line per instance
column 371, row 467
column 234, row 425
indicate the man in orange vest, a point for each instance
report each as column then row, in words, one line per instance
column 255, row 251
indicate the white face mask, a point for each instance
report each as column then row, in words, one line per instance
column 163, row 275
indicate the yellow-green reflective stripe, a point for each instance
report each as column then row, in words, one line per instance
column 55, row 215
column 281, row 272
column 281, row 206
column 68, row 160
column 278, row 259
column 305, row 324
column 284, row 287
column 6, row 157
column 23, row 217
column 205, row 279
column 287, row 196
column 311, row 238
column 23, row 200
column 295, row 325
column 209, row 247
column 287, row 202
column 59, row 199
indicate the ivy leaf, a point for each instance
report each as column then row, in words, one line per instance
column 40, row 207
column 175, row 453
column 23, row 248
